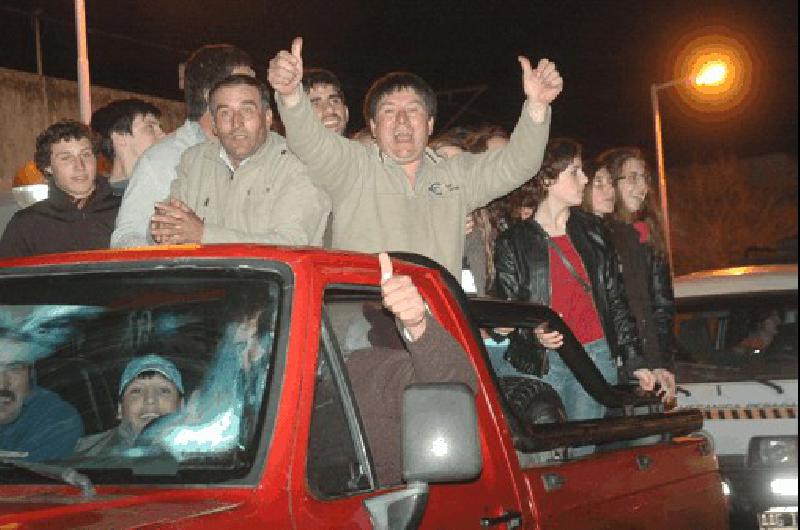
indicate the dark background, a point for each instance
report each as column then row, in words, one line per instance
column 608, row 52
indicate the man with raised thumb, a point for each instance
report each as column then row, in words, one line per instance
column 397, row 194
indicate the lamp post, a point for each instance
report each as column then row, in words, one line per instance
column 711, row 74
column 84, row 85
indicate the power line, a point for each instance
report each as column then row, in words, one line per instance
column 98, row 32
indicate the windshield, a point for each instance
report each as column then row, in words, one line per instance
column 737, row 337
column 127, row 376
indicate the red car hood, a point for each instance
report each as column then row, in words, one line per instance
column 50, row 509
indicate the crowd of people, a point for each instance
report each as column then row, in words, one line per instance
column 511, row 214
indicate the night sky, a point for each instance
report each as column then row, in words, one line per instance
column 608, row 52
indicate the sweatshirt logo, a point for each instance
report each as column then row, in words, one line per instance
column 440, row 189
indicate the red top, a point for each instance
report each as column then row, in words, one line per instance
column 568, row 298
column 644, row 231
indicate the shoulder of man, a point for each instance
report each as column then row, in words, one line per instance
column 205, row 152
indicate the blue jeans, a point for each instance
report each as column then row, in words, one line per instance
column 578, row 404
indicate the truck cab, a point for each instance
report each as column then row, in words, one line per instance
column 269, row 431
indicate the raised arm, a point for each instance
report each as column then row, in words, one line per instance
column 328, row 156
column 493, row 174
column 435, row 354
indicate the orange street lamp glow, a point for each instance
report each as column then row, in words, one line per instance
column 713, row 73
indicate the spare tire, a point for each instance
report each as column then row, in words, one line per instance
column 533, row 400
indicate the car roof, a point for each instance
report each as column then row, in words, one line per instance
column 737, row 280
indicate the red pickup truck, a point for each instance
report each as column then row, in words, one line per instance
column 269, row 432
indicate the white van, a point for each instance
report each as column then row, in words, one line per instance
column 737, row 361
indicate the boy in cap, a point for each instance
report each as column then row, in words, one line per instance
column 150, row 387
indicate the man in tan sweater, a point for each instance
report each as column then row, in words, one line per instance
column 396, row 194
column 248, row 188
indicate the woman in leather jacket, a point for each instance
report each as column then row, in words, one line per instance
column 636, row 233
column 562, row 257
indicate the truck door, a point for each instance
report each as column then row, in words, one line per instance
column 336, row 460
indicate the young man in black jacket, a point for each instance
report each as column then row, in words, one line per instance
column 80, row 210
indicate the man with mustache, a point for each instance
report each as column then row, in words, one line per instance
column 248, row 188
column 35, row 423
column 397, row 194
column 150, row 387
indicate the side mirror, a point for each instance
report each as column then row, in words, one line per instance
column 440, row 444
column 440, row 433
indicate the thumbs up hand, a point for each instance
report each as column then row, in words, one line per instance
column 286, row 72
column 402, row 298
column 541, row 86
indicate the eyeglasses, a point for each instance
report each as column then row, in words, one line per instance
column 635, row 178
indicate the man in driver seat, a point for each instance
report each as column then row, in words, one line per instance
column 150, row 387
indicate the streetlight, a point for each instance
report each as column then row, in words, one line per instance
column 712, row 73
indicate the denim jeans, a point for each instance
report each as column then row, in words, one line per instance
column 578, row 404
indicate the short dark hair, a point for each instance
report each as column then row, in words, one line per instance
column 117, row 117
column 558, row 155
column 238, row 80
column 204, row 68
column 59, row 131
column 321, row 76
column 393, row 82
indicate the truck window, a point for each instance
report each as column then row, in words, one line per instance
column 365, row 341
column 737, row 337
column 335, row 466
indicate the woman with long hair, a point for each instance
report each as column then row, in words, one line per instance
column 636, row 231
column 561, row 256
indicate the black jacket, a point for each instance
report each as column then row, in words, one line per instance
column 649, row 286
column 57, row 225
column 522, row 262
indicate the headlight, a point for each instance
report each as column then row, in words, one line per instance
column 726, row 488
column 784, row 487
column 773, row 451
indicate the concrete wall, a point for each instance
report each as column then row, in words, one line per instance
column 23, row 114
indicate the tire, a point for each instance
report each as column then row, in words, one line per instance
column 533, row 400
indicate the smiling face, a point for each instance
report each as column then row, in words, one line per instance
column 329, row 107
column 568, row 186
column 401, row 126
column 602, row 193
column 73, row 166
column 14, row 387
column 633, row 183
column 149, row 396
column 240, row 121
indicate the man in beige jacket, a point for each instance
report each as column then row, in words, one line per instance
column 248, row 188
column 395, row 194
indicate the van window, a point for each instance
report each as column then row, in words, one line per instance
column 737, row 337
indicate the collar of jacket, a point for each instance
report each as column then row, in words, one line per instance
column 60, row 201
